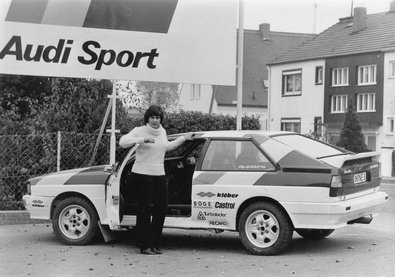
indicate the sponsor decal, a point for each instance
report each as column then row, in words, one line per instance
column 224, row 205
column 201, row 216
column 206, row 194
column 202, row 204
column 227, row 195
column 37, row 203
column 252, row 166
column 214, row 214
column 218, row 223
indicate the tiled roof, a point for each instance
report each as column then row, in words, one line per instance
column 340, row 40
column 257, row 53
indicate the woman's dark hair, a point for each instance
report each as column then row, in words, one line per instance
column 153, row 111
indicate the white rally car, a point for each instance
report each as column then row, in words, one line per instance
column 265, row 185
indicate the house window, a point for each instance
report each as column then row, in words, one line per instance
column 370, row 141
column 391, row 69
column 340, row 76
column 319, row 75
column 195, row 92
column 389, row 129
column 339, row 103
column 367, row 75
column 366, row 102
column 290, row 124
column 292, row 82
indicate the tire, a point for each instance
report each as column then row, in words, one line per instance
column 314, row 234
column 265, row 229
column 75, row 221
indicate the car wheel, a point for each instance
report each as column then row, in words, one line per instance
column 314, row 234
column 75, row 221
column 265, row 229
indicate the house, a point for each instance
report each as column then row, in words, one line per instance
column 352, row 61
column 260, row 46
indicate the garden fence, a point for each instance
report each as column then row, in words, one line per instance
column 23, row 157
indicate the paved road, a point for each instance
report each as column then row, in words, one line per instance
column 357, row 250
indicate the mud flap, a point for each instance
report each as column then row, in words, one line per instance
column 108, row 235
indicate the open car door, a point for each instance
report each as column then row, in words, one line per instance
column 113, row 194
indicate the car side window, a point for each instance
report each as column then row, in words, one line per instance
column 234, row 155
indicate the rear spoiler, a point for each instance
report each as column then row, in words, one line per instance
column 338, row 161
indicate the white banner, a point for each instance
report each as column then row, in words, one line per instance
column 183, row 41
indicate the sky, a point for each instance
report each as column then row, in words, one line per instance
column 298, row 15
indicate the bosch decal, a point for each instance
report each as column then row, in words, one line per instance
column 202, row 204
column 224, row 205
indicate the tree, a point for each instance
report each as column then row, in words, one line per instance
column 351, row 137
column 159, row 93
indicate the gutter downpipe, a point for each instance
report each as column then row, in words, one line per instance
column 239, row 78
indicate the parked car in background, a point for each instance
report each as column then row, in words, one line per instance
column 264, row 185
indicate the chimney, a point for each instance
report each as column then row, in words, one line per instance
column 264, row 28
column 359, row 20
column 392, row 6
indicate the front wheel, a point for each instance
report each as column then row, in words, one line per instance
column 314, row 234
column 265, row 229
column 75, row 221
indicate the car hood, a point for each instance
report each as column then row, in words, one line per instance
column 338, row 161
column 81, row 176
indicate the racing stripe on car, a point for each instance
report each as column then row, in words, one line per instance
column 275, row 149
column 239, row 178
column 294, row 179
column 206, row 178
column 90, row 176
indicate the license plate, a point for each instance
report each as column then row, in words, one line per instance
column 360, row 178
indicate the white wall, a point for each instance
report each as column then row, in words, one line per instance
column 308, row 105
column 386, row 142
column 202, row 104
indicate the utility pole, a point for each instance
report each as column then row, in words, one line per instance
column 239, row 79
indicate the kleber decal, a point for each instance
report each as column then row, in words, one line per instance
column 143, row 16
column 205, row 194
column 227, row 195
column 37, row 203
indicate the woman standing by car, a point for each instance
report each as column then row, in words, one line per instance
column 148, row 177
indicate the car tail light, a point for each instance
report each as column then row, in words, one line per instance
column 336, row 181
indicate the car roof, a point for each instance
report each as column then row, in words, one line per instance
column 235, row 133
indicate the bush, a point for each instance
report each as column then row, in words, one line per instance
column 190, row 121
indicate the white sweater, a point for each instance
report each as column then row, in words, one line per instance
column 150, row 156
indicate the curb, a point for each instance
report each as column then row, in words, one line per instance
column 18, row 217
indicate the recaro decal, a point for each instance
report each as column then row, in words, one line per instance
column 132, row 15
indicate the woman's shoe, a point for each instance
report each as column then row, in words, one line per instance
column 156, row 250
column 147, row 251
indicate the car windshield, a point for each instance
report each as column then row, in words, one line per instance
column 311, row 147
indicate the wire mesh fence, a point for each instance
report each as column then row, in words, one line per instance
column 23, row 157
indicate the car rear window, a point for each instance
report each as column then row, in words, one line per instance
column 311, row 147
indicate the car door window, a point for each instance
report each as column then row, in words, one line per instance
column 234, row 155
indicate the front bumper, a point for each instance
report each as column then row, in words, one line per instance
column 39, row 207
column 336, row 214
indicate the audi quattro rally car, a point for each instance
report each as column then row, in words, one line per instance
column 265, row 185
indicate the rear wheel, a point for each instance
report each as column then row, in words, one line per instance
column 265, row 229
column 314, row 234
column 75, row 221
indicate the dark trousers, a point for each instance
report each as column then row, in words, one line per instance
column 150, row 190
